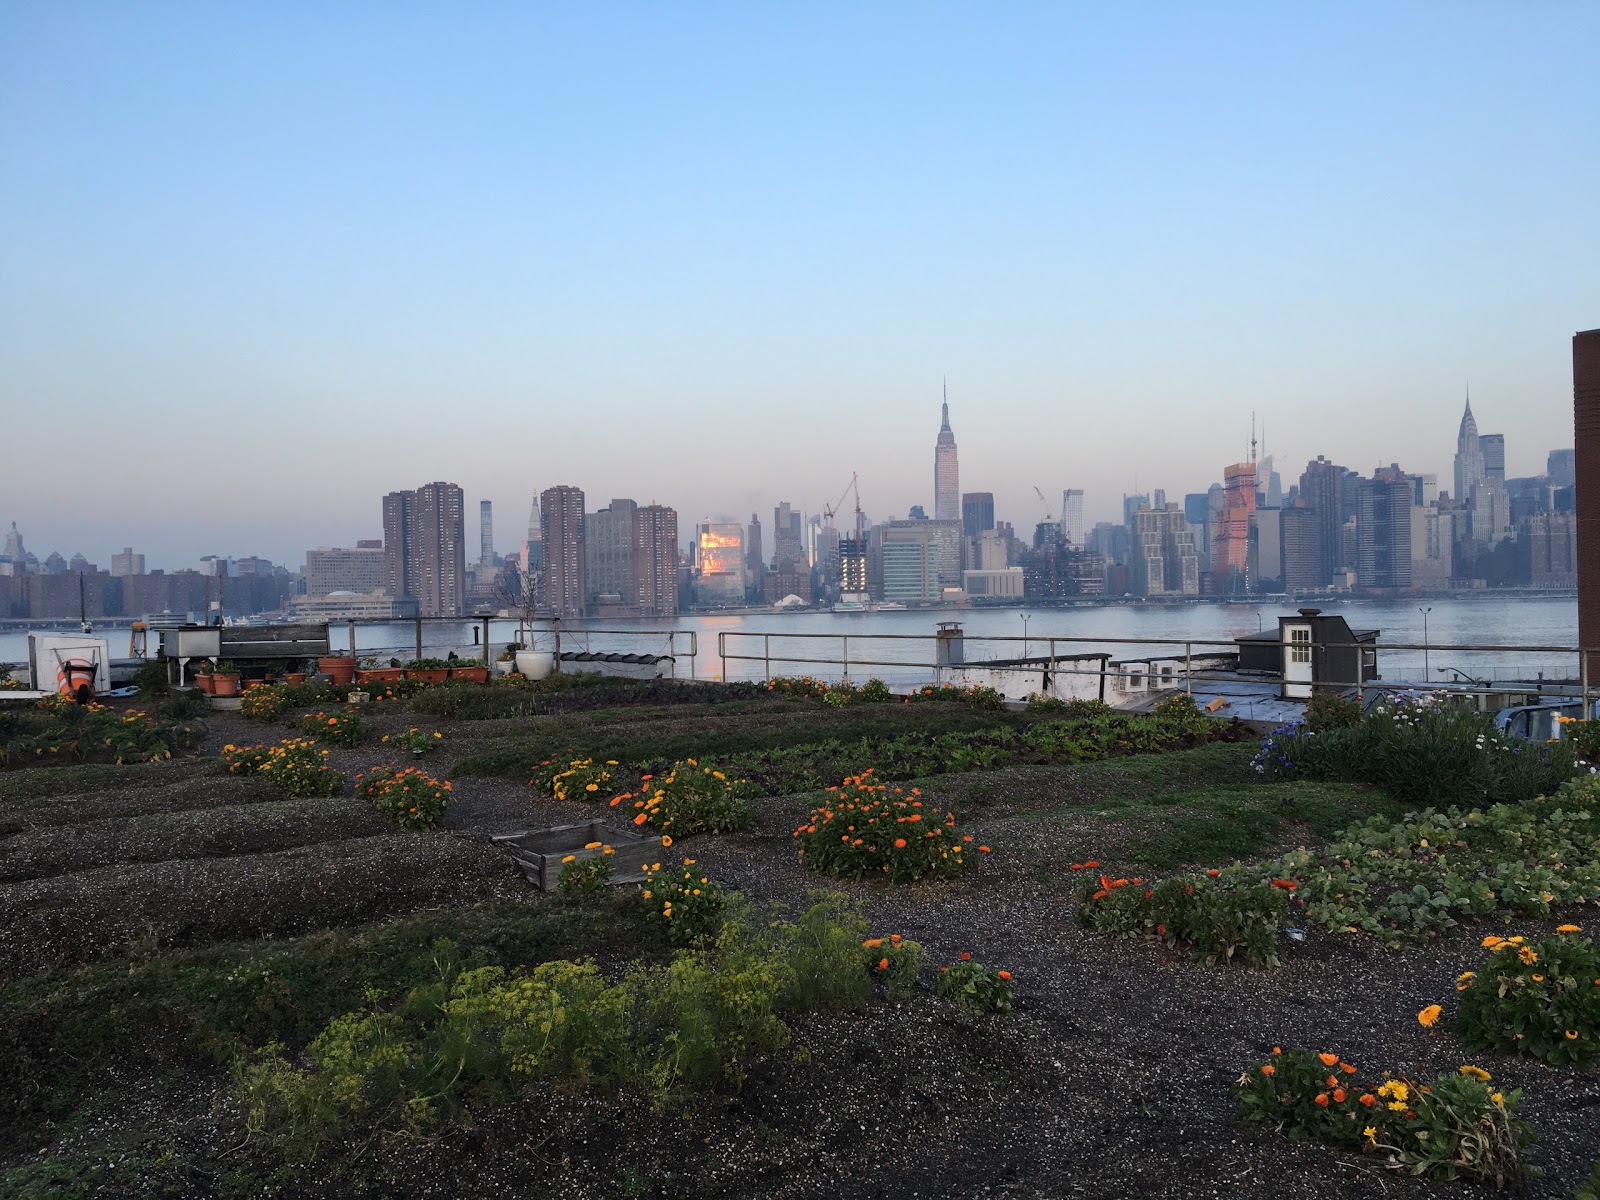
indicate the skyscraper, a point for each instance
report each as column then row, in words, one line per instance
column 608, row 554
column 1072, row 517
column 754, row 565
column 1319, row 492
column 1383, row 530
column 946, row 477
column 788, row 538
column 655, row 561
column 1230, row 553
column 436, row 550
column 561, row 530
column 398, row 509
column 1162, row 560
column 719, row 559
column 1469, row 457
column 977, row 513
column 485, row 533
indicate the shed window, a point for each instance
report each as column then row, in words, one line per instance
column 1300, row 645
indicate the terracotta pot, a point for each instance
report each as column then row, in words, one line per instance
column 380, row 675
column 225, row 685
column 246, row 684
column 339, row 668
column 206, row 683
column 432, row 675
column 295, row 678
column 470, row 674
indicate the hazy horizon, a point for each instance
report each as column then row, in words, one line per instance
column 264, row 265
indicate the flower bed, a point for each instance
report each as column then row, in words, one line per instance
column 339, row 729
column 57, row 728
column 412, row 797
column 690, row 905
column 868, row 829
column 297, row 766
column 1459, row 1124
column 578, row 779
column 1538, row 998
column 1398, row 881
column 691, row 799
column 414, row 740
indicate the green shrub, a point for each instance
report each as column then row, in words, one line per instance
column 1541, row 999
column 581, row 779
column 584, row 876
column 823, row 950
column 876, row 691
column 691, row 798
column 867, row 830
column 1329, row 711
column 1457, row 1125
column 184, row 707
column 974, row 987
column 1421, row 752
column 1584, row 738
column 688, row 903
column 894, row 963
column 414, row 740
column 151, row 679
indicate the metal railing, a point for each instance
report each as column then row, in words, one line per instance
column 1054, row 663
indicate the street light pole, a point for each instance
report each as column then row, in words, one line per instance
column 1427, row 674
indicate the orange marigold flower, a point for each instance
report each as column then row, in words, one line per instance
column 1429, row 1015
column 1368, row 1099
column 883, row 964
column 899, row 843
column 1329, row 1060
column 641, row 818
column 1006, row 975
column 1321, row 1100
column 1268, row 1069
column 1338, row 1095
column 985, row 850
column 965, row 957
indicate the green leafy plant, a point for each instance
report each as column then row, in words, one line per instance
column 868, row 829
column 413, row 740
column 580, row 779
column 974, row 987
column 1540, row 998
column 586, row 876
column 412, row 797
column 266, row 703
column 876, row 691
column 1330, row 711
column 1455, row 1125
column 1213, row 918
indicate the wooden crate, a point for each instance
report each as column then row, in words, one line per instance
column 539, row 851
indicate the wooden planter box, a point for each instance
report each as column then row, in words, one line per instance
column 539, row 851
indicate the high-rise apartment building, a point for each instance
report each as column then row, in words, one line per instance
column 437, row 550
column 1560, row 466
column 655, row 560
column 562, row 529
column 1072, row 526
column 1161, row 556
column 1300, row 549
column 946, row 476
column 755, row 566
column 1230, row 546
column 977, row 513
column 398, row 509
column 424, row 544
column 127, row 563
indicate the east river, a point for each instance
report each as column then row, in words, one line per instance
column 904, row 638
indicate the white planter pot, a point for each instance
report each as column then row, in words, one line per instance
column 503, row 666
column 535, row 664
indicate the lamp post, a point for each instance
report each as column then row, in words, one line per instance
column 1427, row 675
column 1025, row 618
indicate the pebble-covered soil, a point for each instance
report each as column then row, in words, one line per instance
column 1110, row 1078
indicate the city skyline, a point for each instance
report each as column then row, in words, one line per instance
column 774, row 232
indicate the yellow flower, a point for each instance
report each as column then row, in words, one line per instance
column 1370, row 1134
column 1528, row 955
column 1477, row 1073
column 665, row 840
column 1492, row 942
column 569, row 858
column 1567, row 929
column 591, row 846
column 1397, row 1106
column 1429, row 1015
column 1466, row 975
column 1499, row 1098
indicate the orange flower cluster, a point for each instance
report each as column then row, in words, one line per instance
column 867, row 829
column 411, row 796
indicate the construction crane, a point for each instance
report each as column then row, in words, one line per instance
column 1048, row 516
column 828, row 510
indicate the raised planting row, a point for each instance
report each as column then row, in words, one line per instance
column 1396, row 880
column 57, row 730
column 299, row 767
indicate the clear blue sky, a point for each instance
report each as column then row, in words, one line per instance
column 721, row 255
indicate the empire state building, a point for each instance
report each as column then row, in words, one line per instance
column 946, row 481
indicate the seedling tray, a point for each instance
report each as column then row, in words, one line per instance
column 539, row 851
